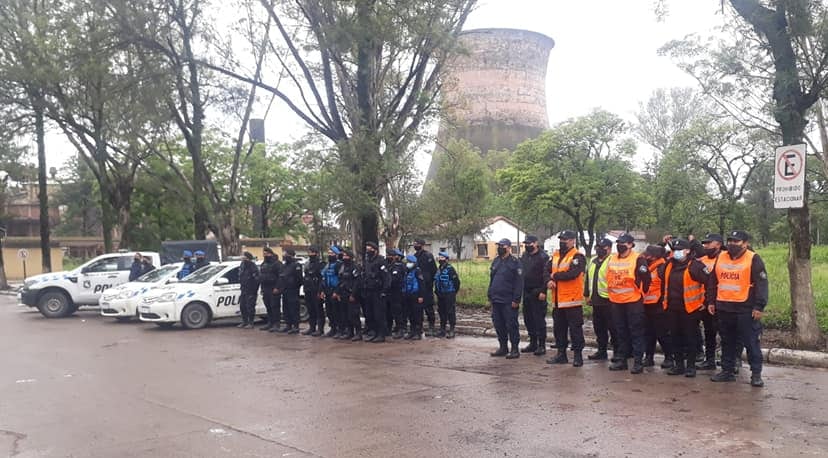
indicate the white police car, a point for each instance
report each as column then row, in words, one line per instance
column 208, row 294
column 59, row 294
column 121, row 302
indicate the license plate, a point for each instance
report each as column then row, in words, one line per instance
column 145, row 309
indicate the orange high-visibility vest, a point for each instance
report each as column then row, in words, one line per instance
column 651, row 297
column 693, row 290
column 621, row 279
column 709, row 262
column 570, row 293
column 733, row 277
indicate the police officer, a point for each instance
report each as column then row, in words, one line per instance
column 505, row 291
column 446, row 285
column 375, row 285
column 146, row 265
column 268, row 277
column 188, row 267
column 655, row 319
column 425, row 261
column 738, row 294
column 201, row 260
column 249, row 284
column 347, row 295
column 413, row 292
column 565, row 283
column 627, row 276
column 394, row 296
column 312, row 282
column 290, row 280
column 597, row 296
column 712, row 244
column 683, row 293
column 330, row 281
column 535, row 263
column 137, row 267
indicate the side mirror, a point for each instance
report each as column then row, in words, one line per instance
column 222, row 281
column 172, row 280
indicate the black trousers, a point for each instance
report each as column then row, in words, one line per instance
column 247, row 306
column 602, row 325
column 684, row 332
column 273, row 305
column 629, row 327
column 352, row 313
column 332, row 310
column 428, row 301
column 372, row 301
column 447, row 307
column 534, row 315
column 568, row 322
column 415, row 312
column 656, row 329
column 710, row 330
column 290, row 304
column 505, row 320
column 740, row 328
column 316, row 311
column 395, row 309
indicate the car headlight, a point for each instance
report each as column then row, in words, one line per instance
column 149, row 299
column 166, row 297
column 28, row 283
column 124, row 295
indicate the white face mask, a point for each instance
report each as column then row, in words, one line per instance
column 410, row 265
column 680, row 255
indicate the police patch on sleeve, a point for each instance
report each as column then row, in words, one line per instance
column 763, row 275
column 643, row 269
column 382, row 267
column 706, row 270
column 520, row 271
column 575, row 262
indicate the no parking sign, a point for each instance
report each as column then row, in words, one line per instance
column 789, row 177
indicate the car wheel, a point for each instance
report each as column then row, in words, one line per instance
column 195, row 316
column 164, row 325
column 55, row 304
column 303, row 311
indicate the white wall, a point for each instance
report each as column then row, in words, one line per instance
column 502, row 230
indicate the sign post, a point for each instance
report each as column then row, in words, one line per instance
column 789, row 177
column 23, row 254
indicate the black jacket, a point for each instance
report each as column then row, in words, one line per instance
column 396, row 273
column 675, row 292
column 270, row 273
column 375, row 276
column 505, row 281
column 249, row 277
column 290, row 278
column 535, row 271
column 313, row 274
column 135, row 270
column 349, row 279
column 427, row 265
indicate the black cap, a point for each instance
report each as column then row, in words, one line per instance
column 347, row 251
column 419, row 242
column 505, row 242
column 567, row 235
column 313, row 249
column 290, row 251
column 267, row 249
column 655, row 251
column 680, row 244
column 248, row 255
column 625, row 238
column 713, row 238
column 372, row 245
column 530, row 239
column 738, row 235
column 604, row 242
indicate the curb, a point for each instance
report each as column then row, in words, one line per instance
column 775, row 356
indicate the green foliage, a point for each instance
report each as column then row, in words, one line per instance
column 79, row 189
column 453, row 202
column 581, row 169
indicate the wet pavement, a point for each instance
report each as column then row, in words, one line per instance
column 87, row 386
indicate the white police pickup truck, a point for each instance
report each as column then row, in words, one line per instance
column 59, row 294
column 121, row 302
column 208, row 294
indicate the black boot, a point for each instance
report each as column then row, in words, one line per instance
column 706, row 365
column 756, row 380
column 502, row 351
column 578, row 360
column 690, row 372
column 668, row 362
column 619, row 365
column 638, row 366
column 442, row 333
column 357, row 337
column 559, row 358
column 600, row 355
column 450, row 334
column 533, row 345
column 678, row 367
column 293, row 329
column 515, row 353
column 266, row 327
column 541, row 350
column 723, row 376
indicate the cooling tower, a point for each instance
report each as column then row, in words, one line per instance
column 494, row 92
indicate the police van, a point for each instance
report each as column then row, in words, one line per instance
column 121, row 302
column 208, row 294
column 60, row 294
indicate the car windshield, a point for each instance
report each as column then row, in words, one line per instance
column 157, row 274
column 203, row 274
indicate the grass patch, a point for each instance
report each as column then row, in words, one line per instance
column 475, row 282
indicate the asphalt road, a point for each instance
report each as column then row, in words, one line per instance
column 87, row 386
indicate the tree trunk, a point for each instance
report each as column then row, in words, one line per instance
column 229, row 237
column 803, row 315
column 42, row 191
column 123, row 226
column 4, row 282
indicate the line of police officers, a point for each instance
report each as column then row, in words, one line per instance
column 390, row 294
column 658, row 296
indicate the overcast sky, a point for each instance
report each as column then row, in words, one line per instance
column 605, row 55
